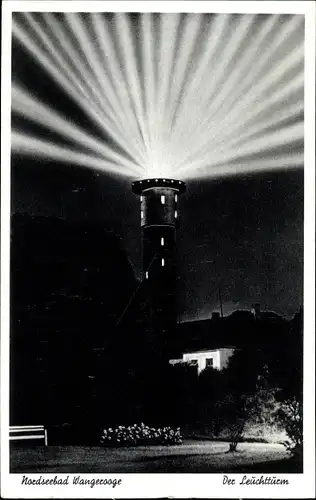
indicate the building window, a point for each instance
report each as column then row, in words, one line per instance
column 162, row 241
column 163, row 199
column 146, row 275
column 176, row 198
column 193, row 362
column 141, row 214
column 162, row 262
column 141, row 198
column 175, row 214
column 209, row 362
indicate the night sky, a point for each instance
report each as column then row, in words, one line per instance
column 243, row 234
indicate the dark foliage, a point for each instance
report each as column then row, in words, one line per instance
column 290, row 415
column 290, row 393
column 74, row 369
column 140, row 435
column 66, row 296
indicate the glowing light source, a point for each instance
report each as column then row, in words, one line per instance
column 211, row 94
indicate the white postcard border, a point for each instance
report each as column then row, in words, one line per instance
column 168, row 485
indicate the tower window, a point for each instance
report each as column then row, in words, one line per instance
column 162, row 241
column 163, row 199
column 176, row 198
column 162, row 262
column 141, row 214
column 175, row 214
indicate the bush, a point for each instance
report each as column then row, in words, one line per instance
column 140, row 434
column 234, row 414
column 290, row 415
column 264, row 433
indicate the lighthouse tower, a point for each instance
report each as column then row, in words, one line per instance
column 159, row 218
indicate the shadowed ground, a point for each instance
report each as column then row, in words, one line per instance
column 192, row 456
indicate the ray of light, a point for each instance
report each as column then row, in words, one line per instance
column 118, row 115
column 110, row 61
column 168, row 30
column 243, row 68
column 188, row 40
column 226, row 142
column 267, row 56
column 59, row 72
column 25, row 105
column 190, row 93
column 183, row 96
column 219, row 68
column 246, row 111
column 245, row 64
column 290, row 135
column 95, row 81
column 274, row 77
column 29, row 145
column 84, row 101
column 125, row 41
column 65, row 56
column 225, row 169
column 277, row 118
column 147, row 37
column 266, row 59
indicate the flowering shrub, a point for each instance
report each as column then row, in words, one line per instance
column 291, row 416
column 140, row 434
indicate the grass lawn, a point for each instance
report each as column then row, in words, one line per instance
column 192, row 456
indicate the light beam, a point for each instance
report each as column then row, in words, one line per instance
column 180, row 95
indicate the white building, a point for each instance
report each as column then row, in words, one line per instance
column 211, row 358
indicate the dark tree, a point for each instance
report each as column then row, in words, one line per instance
column 69, row 284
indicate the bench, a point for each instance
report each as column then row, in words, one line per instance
column 22, row 432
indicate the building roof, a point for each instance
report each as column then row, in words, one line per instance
column 208, row 350
column 139, row 186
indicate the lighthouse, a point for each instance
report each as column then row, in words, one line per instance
column 159, row 219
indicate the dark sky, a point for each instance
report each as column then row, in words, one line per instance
column 244, row 234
